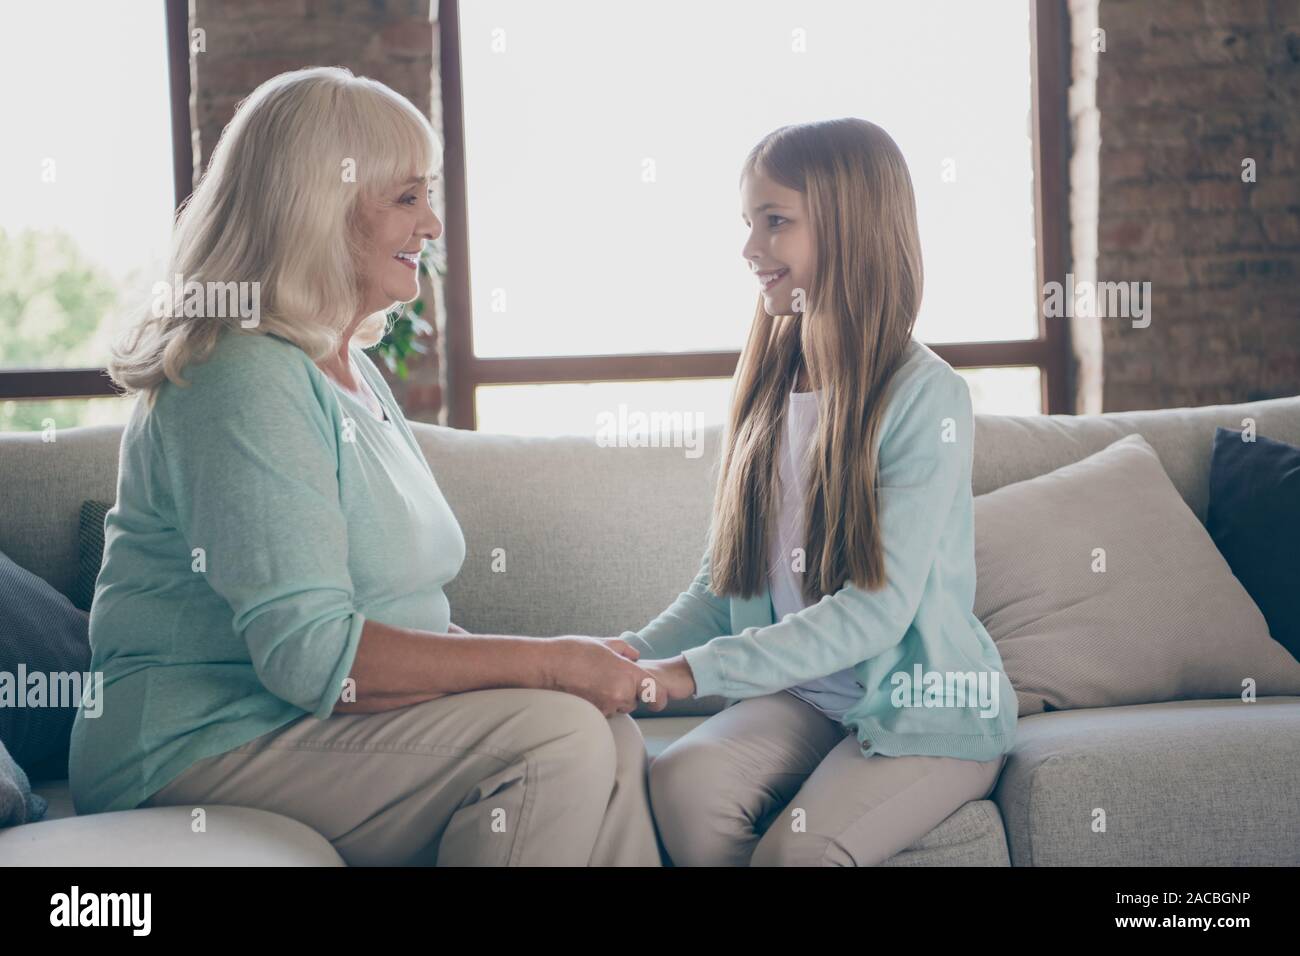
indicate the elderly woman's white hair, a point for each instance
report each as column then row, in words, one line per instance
column 278, row 205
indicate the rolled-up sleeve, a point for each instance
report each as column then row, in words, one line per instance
column 252, row 457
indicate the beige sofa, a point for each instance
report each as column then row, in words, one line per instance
column 598, row 539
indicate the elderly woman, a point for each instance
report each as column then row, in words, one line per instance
column 270, row 619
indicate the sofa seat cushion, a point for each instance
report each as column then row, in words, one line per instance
column 1180, row 783
column 973, row 836
column 58, row 794
column 161, row 836
column 659, row 732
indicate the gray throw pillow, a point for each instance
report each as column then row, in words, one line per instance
column 1100, row 587
column 40, row 633
column 18, row 805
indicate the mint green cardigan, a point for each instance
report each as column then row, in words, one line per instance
column 263, row 515
column 921, row 624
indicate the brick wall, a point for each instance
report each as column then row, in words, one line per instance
column 1184, row 91
column 249, row 41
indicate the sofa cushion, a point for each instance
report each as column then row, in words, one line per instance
column 625, row 527
column 1010, row 448
column 1254, row 518
column 44, row 485
column 1181, row 783
column 649, row 503
column 658, row 732
column 974, row 835
column 41, row 635
column 591, row 540
column 164, row 836
column 1100, row 587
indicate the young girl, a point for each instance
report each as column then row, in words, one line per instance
column 835, row 596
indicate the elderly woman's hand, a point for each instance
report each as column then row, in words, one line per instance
column 596, row 670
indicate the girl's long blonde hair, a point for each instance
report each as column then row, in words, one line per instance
column 279, row 205
column 852, row 335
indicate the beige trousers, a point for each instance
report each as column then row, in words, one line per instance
column 492, row 777
column 771, row 781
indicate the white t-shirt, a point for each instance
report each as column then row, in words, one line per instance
column 835, row 693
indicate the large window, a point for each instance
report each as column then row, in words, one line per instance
column 86, row 186
column 600, row 152
column 593, row 228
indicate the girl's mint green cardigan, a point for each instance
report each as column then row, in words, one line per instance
column 934, row 680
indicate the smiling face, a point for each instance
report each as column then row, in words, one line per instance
column 395, row 227
column 780, row 249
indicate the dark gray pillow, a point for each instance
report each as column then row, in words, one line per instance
column 90, row 551
column 1254, row 518
column 41, row 630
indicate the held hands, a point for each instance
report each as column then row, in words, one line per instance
column 669, row 679
column 601, row 670
column 665, row 680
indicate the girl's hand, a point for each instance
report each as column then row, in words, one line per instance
column 453, row 629
column 671, row 679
